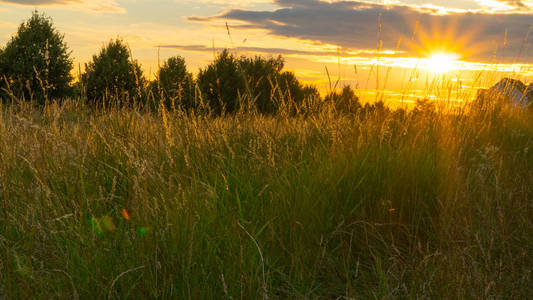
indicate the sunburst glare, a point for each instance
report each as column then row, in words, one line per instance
column 442, row 62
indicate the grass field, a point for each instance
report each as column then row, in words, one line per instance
column 377, row 205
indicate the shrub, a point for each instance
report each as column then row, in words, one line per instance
column 113, row 75
column 36, row 61
column 174, row 85
column 345, row 101
column 229, row 81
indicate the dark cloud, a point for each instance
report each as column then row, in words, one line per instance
column 273, row 51
column 354, row 24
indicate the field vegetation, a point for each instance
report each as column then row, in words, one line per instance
column 134, row 192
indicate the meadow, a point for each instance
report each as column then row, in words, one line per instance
column 433, row 202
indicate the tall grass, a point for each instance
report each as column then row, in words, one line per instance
column 426, row 203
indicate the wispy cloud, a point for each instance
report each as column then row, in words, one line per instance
column 502, row 6
column 284, row 51
column 232, row 2
column 514, row 3
column 100, row 6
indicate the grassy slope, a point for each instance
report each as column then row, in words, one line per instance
column 381, row 205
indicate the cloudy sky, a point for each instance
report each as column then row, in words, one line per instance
column 459, row 37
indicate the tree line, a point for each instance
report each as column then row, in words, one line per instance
column 36, row 65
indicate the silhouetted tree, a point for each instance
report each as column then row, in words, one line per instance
column 294, row 90
column 36, row 61
column 260, row 77
column 174, row 84
column 229, row 81
column 2, row 66
column 221, row 83
column 345, row 101
column 113, row 75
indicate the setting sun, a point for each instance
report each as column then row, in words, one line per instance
column 442, row 62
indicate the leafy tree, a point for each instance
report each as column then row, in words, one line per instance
column 229, row 80
column 261, row 76
column 2, row 67
column 112, row 74
column 294, row 90
column 345, row 101
column 221, row 83
column 174, row 84
column 36, row 61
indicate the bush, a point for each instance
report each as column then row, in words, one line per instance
column 174, row 84
column 345, row 101
column 113, row 75
column 36, row 61
column 229, row 82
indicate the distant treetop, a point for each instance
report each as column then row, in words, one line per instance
column 36, row 61
column 113, row 74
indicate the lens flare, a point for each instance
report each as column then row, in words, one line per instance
column 126, row 214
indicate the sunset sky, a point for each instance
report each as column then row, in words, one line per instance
column 473, row 42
